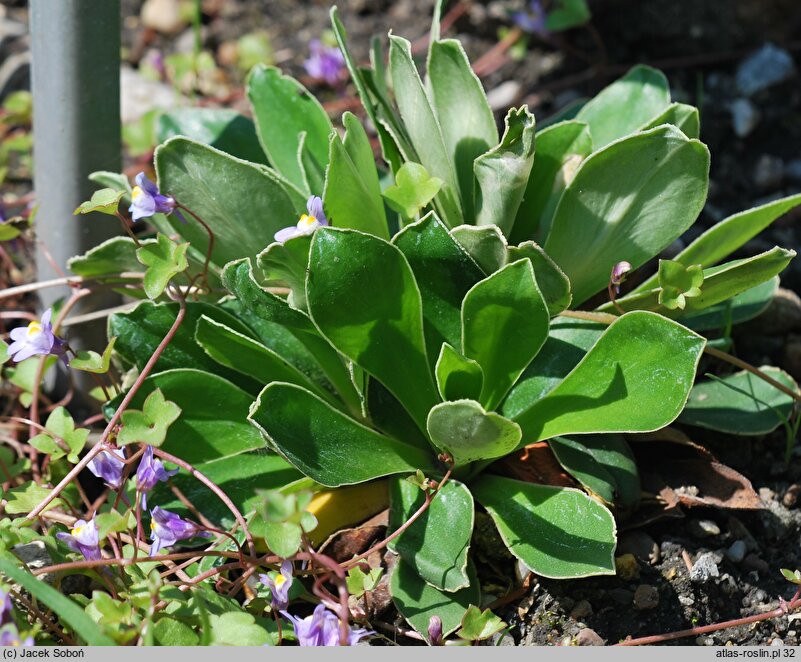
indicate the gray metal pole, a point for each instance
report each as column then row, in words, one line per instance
column 76, row 131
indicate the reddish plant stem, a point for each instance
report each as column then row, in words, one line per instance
column 339, row 574
column 177, row 556
column 211, row 240
column 128, row 230
column 115, row 419
column 724, row 356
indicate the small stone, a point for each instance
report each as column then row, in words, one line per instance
column 504, row 96
column 582, row 610
column 768, row 172
column 736, row 551
column 646, row 597
column 767, row 67
column 744, row 117
column 588, row 637
column 627, row 567
column 776, row 642
column 640, row 544
column 704, row 569
column 704, row 528
column 621, row 596
column 705, row 641
column 766, row 494
column 35, row 556
column 162, row 15
column 141, row 95
column 790, row 498
column 686, row 600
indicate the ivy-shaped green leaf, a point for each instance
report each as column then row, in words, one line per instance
column 23, row 499
column 163, row 260
column 105, row 201
column 478, row 625
column 113, row 522
column 148, row 426
column 89, row 361
column 61, row 426
column 678, row 283
column 414, row 188
column 360, row 582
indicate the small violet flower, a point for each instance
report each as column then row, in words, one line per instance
column 531, row 20
column 146, row 199
column 325, row 62
column 167, row 529
column 322, row 629
column 37, row 339
column 279, row 585
column 307, row 224
column 149, row 473
column 618, row 275
column 9, row 636
column 435, row 630
column 5, row 608
column 109, row 466
column 83, row 538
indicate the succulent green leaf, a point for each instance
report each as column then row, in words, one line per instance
column 90, row 361
column 104, row 201
column 685, row 118
column 553, row 284
column 352, row 195
column 150, row 425
column 363, row 298
column 636, row 378
column 243, row 203
column 793, row 576
column 440, row 560
column 468, row 433
column 603, row 464
column 163, row 260
column 168, row 631
column 740, row 308
column 504, row 324
column 459, row 102
column 678, row 283
column 283, row 110
column 558, row 532
column 237, row 628
column 627, row 201
column 110, row 258
column 560, row 150
column 741, row 403
column 444, row 273
column 113, row 522
column 503, row 172
column 626, row 105
column 457, row 376
column 325, row 444
column 478, row 625
column 486, row 245
column 418, row 601
column 413, row 189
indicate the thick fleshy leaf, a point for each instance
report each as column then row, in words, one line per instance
column 327, row 445
column 441, row 560
column 685, row 118
column 553, row 284
column 241, row 353
column 603, row 463
column 444, row 273
column 388, row 415
column 468, row 433
column 243, row 203
column 502, row 173
column 557, row 532
column 363, row 297
column 468, row 126
column 626, row 105
column 486, row 245
column 730, row 234
column 560, row 149
column 352, row 195
column 457, row 376
column 227, row 130
column 423, row 127
column 568, row 341
column 605, row 392
column 741, row 403
column 213, row 422
column 418, row 601
column 627, row 201
column 141, row 330
column 504, row 324
column 284, row 110
column 286, row 263
column 740, row 308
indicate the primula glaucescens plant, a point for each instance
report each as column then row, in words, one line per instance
column 324, row 338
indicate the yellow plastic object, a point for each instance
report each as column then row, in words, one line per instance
column 345, row 507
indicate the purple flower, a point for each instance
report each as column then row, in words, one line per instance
column 150, row 472
column 83, row 538
column 5, row 608
column 109, row 466
column 9, row 636
column 307, row 224
column 146, row 199
column 325, row 63
column 618, row 274
column 322, row 629
column 435, row 630
column 167, row 529
column 532, row 19
column 279, row 585
column 37, row 339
